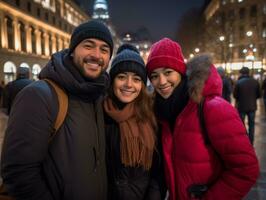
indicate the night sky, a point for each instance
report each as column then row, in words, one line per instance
column 160, row 17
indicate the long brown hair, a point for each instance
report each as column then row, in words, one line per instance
column 144, row 107
column 137, row 126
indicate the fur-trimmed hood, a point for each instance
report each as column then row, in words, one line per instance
column 203, row 78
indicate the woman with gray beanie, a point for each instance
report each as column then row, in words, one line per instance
column 132, row 156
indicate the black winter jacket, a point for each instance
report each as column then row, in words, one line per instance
column 70, row 167
column 246, row 93
column 131, row 183
column 12, row 89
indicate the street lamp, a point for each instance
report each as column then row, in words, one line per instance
column 197, row 50
column 249, row 33
column 221, row 38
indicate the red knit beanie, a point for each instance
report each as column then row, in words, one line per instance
column 166, row 53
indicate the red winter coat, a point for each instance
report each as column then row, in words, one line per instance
column 189, row 161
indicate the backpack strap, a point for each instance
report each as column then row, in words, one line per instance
column 62, row 103
column 202, row 122
column 207, row 140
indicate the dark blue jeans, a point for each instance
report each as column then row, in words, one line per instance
column 251, row 123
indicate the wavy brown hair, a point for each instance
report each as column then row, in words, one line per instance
column 144, row 107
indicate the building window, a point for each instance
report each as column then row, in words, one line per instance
column 42, row 43
column 231, row 14
column 38, row 12
column 24, row 65
column 9, row 71
column 33, row 40
column 46, row 16
column 262, row 50
column 253, row 11
column 241, row 32
column 264, row 9
column 264, row 30
column 50, row 44
column 17, row 2
column 36, row 69
column 53, row 20
column 10, row 33
column 222, row 17
column 231, row 37
column 242, row 13
column 241, row 53
column 22, row 36
column 29, row 6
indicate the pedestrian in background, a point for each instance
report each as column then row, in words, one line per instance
column 226, row 166
column 2, row 86
column 263, row 86
column 134, row 165
column 71, row 165
column 227, row 84
column 246, row 93
column 14, row 87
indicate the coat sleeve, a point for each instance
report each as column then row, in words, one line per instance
column 235, row 91
column 229, row 138
column 6, row 100
column 26, row 145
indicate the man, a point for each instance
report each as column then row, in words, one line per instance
column 227, row 86
column 14, row 87
column 246, row 93
column 263, row 87
column 72, row 165
column 2, row 86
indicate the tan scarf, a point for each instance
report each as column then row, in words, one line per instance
column 136, row 138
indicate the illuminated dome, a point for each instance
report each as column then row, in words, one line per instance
column 100, row 10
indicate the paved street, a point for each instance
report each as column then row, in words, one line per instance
column 258, row 192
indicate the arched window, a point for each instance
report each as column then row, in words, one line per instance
column 22, row 36
column 36, row 69
column 9, row 71
column 24, row 65
column 10, row 33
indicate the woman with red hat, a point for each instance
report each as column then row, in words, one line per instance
column 216, row 162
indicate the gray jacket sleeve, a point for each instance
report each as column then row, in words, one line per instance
column 26, row 144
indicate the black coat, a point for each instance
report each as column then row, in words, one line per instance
column 263, row 87
column 72, row 166
column 131, row 183
column 246, row 93
column 11, row 90
column 227, row 89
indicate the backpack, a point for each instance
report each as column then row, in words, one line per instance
column 61, row 115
